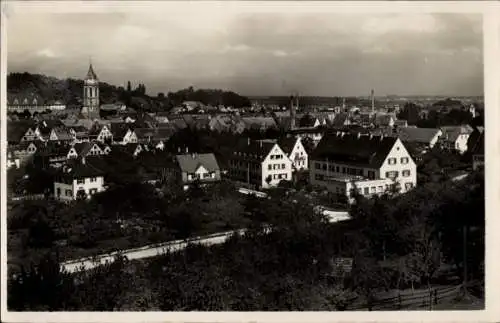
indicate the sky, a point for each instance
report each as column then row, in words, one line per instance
column 255, row 53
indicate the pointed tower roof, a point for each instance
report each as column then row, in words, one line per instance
column 91, row 74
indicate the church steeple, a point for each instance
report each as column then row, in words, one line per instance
column 91, row 94
column 91, row 75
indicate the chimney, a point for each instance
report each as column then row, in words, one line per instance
column 187, row 150
column 248, row 141
column 343, row 104
column 83, row 160
column 193, row 155
column 179, row 150
column 373, row 100
column 293, row 100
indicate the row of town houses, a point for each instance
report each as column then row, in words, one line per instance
column 370, row 162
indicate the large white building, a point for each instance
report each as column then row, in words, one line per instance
column 78, row 177
column 259, row 164
column 368, row 164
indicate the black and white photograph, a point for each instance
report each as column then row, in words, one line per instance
column 242, row 157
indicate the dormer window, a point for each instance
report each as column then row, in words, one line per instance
column 35, row 102
column 16, row 102
column 25, row 101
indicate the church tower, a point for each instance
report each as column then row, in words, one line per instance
column 91, row 94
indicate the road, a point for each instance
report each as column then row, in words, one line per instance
column 88, row 263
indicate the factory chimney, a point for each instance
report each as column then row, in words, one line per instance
column 343, row 104
column 294, row 104
column 373, row 100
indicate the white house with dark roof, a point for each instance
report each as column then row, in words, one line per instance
column 85, row 149
column 78, row 176
column 295, row 151
column 200, row 168
column 371, row 165
column 260, row 164
column 455, row 137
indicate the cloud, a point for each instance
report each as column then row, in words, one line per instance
column 317, row 54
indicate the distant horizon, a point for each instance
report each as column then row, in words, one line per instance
column 252, row 53
column 254, row 96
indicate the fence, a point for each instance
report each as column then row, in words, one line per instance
column 421, row 299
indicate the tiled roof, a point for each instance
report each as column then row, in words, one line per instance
column 62, row 133
column 252, row 150
column 340, row 119
column 451, row 133
column 307, row 121
column 119, row 130
column 83, row 148
column 287, row 144
column 17, row 129
column 76, row 169
column 417, row 135
column 190, row 162
column 364, row 151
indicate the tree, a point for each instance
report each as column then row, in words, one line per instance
column 81, row 195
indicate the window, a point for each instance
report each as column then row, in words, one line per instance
column 69, row 193
column 337, row 169
column 406, row 173
column 80, row 181
column 380, row 188
column 391, row 161
column 324, row 166
column 58, row 191
column 392, row 174
column 190, row 177
column 360, row 191
column 270, row 167
column 93, row 179
column 343, row 170
column 373, row 189
column 282, row 166
column 92, row 191
column 404, row 160
column 371, row 174
column 408, row 186
column 366, row 190
column 318, row 165
column 285, row 176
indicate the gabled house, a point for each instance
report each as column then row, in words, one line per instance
column 101, row 133
column 78, row 179
column 62, row 134
column 51, row 155
column 132, row 149
column 308, row 121
column 123, row 134
column 295, row 151
column 85, row 149
column 19, row 131
column 385, row 120
column 199, row 168
column 259, row 164
column 341, row 120
column 24, row 150
column 369, row 165
column 455, row 138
